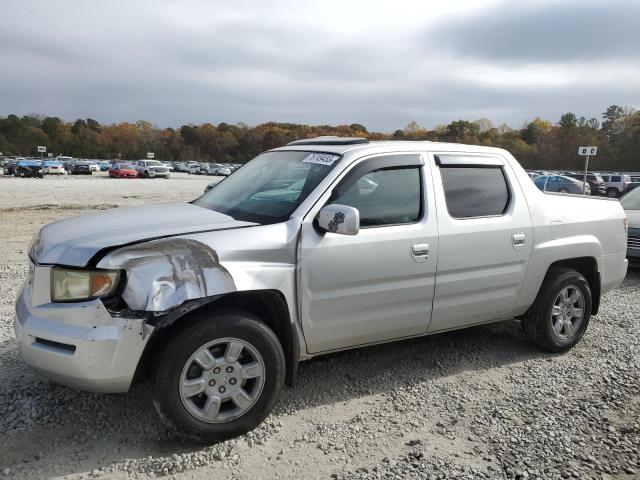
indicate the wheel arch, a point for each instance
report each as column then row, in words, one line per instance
column 588, row 268
column 269, row 306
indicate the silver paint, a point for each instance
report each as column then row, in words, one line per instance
column 74, row 241
column 342, row 291
column 162, row 274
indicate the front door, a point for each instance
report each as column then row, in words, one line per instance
column 379, row 284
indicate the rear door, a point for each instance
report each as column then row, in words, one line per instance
column 485, row 240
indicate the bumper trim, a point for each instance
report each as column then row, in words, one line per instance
column 79, row 345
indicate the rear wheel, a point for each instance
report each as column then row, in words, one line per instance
column 563, row 190
column 612, row 193
column 561, row 312
column 220, row 377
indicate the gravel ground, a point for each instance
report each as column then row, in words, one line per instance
column 477, row 403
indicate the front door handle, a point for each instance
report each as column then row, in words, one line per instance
column 420, row 251
column 518, row 239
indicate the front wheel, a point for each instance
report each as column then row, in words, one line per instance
column 220, row 377
column 612, row 193
column 561, row 312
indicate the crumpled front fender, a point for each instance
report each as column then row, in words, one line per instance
column 165, row 273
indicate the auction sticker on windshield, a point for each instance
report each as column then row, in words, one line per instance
column 321, row 158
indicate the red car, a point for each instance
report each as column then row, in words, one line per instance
column 122, row 170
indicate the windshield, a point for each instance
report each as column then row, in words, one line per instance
column 631, row 201
column 270, row 187
column 153, row 163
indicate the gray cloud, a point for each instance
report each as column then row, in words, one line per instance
column 191, row 62
column 544, row 32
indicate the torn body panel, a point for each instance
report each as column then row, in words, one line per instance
column 163, row 274
column 172, row 277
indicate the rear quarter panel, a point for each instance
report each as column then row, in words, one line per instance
column 570, row 226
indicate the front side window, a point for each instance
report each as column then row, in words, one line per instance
column 270, row 187
column 475, row 191
column 389, row 196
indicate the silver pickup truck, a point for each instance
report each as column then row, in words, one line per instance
column 322, row 245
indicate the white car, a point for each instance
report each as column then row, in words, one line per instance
column 151, row 169
column 53, row 168
column 617, row 184
column 218, row 169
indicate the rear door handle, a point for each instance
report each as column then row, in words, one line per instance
column 420, row 251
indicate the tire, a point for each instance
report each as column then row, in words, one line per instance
column 175, row 363
column 538, row 323
column 613, row 193
column 563, row 190
column 146, row 174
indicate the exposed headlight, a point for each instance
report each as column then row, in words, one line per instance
column 69, row 285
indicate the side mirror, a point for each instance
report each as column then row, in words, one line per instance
column 339, row 219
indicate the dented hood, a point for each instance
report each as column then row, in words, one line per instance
column 74, row 241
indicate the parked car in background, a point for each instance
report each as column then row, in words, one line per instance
column 10, row 166
column 53, row 167
column 617, row 184
column 631, row 204
column 152, row 169
column 218, row 169
column 595, row 181
column 635, row 182
column 67, row 163
column 80, row 167
column 29, row 168
column 123, row 170
column 181, row 167
column 168, row 165
column 94, row 166
column 223, row 296
column 104, row 166
column 194, row 169
column 560, row 184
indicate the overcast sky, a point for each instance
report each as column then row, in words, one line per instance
column 379, row 63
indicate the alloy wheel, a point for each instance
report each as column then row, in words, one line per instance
column 222, row 380
column 567, row 312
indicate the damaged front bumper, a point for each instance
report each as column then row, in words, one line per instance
column 77, row 344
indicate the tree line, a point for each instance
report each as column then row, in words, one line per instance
column 537, row 144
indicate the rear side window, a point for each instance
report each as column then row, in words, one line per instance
column 473, row 191
column 616, row 178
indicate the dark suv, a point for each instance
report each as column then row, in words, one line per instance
column 596, row 182
column 80, row 168
column 10, row 167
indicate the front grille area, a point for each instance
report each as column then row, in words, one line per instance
column 633, row 242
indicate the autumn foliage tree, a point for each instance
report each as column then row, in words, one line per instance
column 538, row 144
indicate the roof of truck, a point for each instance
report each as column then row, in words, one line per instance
column 342, row 145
